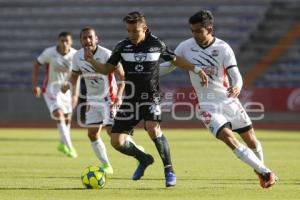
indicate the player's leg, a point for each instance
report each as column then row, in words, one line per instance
column 65, row 140
column 72, row 151
column 99, row 148
column 122, row 128
column 249, row 137
column 94, row 121
column 56, row 108
column 268, row 178
column 241, row 123
column 163, row 148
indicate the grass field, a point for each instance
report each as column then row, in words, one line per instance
column 31, row 168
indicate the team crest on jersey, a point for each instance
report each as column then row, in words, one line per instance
column 215, row 52
column 140, row 57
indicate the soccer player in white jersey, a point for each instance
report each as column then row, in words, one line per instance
column 58, row 60
column 219, row 107
column 104, row 96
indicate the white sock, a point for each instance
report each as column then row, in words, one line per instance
column 248, row 157
column 259, row 152
column 100, row 150
column 65, row 137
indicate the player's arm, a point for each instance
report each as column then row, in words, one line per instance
column 165, row 68
column 184, row 64
column 36, row 90
column 236, row 81
column 99, row 67
column 120, row 75
column 74, row 86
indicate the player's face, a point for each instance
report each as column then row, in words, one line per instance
column 89, row 39
column 201, row 34
column 136, row 32
column 65, row 43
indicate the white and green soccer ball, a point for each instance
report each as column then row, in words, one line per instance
column 93, row 177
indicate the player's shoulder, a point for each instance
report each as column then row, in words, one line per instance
column 186, row 43
column 155, row 40
column 121, row 44
column 221, row 43
column 50, row 50
column 104, row 50
column 79, row 52
column 72, row 51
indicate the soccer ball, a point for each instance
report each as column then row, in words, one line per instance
column 93, row 177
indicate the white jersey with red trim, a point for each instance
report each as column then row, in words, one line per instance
column 58, row 67
column 214, row 59
column 99, row 87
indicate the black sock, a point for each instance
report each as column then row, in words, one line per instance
column 163, row 149
column 131, row 150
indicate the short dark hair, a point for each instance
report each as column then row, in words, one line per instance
column 87, row 28
column 205, row 17
column 64, row 34
column 134, row 17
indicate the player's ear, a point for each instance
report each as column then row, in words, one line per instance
column 145, row 28
column 210, row 30
column 97, row 39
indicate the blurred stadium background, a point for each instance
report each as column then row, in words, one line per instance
column 265, row 35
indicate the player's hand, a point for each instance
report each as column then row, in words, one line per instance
column 204, row 78
column 74, row 101
column 88, row 54
column 118, row 102
column 65, row 87
column 233, row 91
column 36, row 91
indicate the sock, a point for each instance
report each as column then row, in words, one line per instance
column 100, row 150
column 129, row 148
column 248, row 157
column 163, row 149
column 64, row 134
column 259, row 152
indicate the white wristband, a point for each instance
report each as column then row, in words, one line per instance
column 197, row 69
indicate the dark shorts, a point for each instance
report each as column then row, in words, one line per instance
column 132, row 112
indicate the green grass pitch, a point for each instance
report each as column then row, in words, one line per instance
column 31, row 168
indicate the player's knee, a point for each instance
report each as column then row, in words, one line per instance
column 58, row 115
column 228, row 138
column 93, row 136
column 115, row 141
column 152, row 128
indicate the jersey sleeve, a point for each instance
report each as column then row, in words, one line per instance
column 166, row 54
column 179, row 50
column 115, row 56
column 75, row 66
column 229, row 57
column 44, row 57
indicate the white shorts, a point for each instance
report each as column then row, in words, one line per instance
column 59, row 101
column 215, row 115
column 99, row 113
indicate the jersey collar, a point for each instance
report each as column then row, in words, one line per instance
column 205, row 47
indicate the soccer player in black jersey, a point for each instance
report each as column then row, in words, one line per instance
column 139, row 54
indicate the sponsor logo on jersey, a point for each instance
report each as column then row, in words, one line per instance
column 210, row 70
column 139, row 68
column 215, row 52
column 195, row 50
column 154, row 49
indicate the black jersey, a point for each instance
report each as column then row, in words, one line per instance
column 141, row 63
